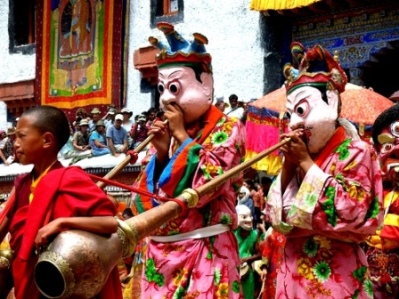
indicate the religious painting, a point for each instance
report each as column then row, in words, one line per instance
column 79, row 53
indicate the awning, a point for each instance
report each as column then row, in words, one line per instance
column 144, row 61
column 18, row 96
column 261, row 5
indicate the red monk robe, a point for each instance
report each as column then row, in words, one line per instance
column 63, row 192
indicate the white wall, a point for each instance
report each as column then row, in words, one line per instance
column 13, row 67
column 234, row 43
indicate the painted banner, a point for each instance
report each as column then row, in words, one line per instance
column 79, row 53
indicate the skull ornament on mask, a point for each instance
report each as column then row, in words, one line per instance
column 244, row 217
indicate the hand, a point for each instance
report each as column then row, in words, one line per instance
column 264, row 274
column 162, row 138
column 133, row 156
column 174, row 114
column 46, row 232
column 261, row 227
column 295, row 151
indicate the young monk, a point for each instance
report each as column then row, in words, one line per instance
column 50, row 199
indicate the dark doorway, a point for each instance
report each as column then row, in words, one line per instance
column 380, row 71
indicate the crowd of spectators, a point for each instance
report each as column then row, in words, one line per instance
column 7, row 139
column 93, row 134
column 115, row 132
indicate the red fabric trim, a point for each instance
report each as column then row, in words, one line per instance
column 335, row 141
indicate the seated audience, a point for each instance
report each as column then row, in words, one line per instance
column 97, row 140
column 139, row 131
column 117, row 137
column 8, row 152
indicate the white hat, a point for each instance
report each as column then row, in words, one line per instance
column 119, row 117
column 125, row 110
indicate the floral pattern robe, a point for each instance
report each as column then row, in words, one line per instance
column 325, row 215
column 196, row 268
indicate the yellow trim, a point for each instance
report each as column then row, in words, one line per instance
column 391, row 219
column 36, row 181
column 271, row 164
column 390, row 198
column 260, row 5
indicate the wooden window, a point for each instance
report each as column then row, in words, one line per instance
column 170, row 7
column 22, row 25
column 166, row 10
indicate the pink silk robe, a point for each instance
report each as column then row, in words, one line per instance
column 324, row 217
column 196, row 268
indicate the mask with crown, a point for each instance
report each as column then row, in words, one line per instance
column 185, row 72
column 313, row 89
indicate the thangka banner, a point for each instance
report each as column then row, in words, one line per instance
column 78, row 53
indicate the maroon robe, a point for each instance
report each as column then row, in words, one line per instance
column 62, row 192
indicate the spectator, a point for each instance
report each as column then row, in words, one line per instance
column 117, row 137
column 151, row 116
column 256, row 194
column 221, row 105
column 265, row 183
column 95, row 117
column 244, row 198
column 97, row 140
column 81, row 137
column 127, row 124
column 127, row 213
column 109, row 117
column 235, row 110
column 8, row 151
column 81, row 113
column 67, row 151
column 139, row 131
column 3, row 140
column 161, row 115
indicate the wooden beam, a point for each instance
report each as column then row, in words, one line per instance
column 320, row 8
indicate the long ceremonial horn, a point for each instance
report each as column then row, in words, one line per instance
column 118, row 168
column 76, row 259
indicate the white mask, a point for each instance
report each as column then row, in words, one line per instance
column 245, row 219
column 179, row 85
column 307, row 110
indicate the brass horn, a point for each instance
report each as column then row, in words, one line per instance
column 78, row 263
